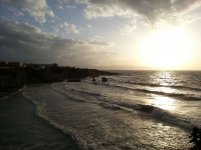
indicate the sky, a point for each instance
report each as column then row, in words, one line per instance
column 103, row 34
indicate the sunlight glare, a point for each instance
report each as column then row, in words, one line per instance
column 167, row 49
column 165, row 103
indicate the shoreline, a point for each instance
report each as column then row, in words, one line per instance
column 43, row 144
column 15, row 78
column 6, row 92
column 21, row 128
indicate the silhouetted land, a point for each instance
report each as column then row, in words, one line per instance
column 12, row 78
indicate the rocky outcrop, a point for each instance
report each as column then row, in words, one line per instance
column 17, row 77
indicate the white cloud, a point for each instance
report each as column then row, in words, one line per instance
column 129, row 28
column 70, row 28
column 98, row 42
column 69, row 3
column 23, row 42
column 89, row 25
column 93, row 11
column 150, row 10
column 16, row 12
column 36, row 8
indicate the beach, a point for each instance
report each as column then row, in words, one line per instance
column 20, row 128
column 100, row 75
column 133, row 110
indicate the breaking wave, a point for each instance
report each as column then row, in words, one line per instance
column 121, row 105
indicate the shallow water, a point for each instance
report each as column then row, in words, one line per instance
column 134, row 110
column 95, row 124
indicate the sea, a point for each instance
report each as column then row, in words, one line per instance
column 134, row 110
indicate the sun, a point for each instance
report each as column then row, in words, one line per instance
column 166, row 49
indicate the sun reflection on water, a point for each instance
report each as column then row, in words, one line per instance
column 165, row 79
column 166, row 103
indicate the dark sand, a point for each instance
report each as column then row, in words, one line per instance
column 6, row 92
column 20, row 128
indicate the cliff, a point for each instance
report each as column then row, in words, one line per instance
column 17, row 77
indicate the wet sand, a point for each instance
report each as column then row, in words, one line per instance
column 6, row 92
column 20, row 128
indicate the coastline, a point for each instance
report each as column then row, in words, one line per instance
column 7, row 92
column 20, row 102
column 15, row 78
column 20, row 128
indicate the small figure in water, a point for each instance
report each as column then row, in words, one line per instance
column 196, row 137
column 93, row 79
column 104, row 79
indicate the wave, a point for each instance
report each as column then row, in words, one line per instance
column 105, row 102
column 41, row 113
column 170, row 86
column 153, row 112
column 189, row 97
column 67, row 95
column 64, row 130
column 148, row 110
column 84, row 92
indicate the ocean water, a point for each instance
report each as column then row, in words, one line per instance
column 145, row 110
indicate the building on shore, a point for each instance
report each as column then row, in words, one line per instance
column 4, row 64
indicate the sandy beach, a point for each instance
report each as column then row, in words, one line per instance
column 20, row 128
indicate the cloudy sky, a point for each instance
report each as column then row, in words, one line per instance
column 104, row 34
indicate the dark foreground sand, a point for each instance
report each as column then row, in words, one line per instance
column 20, row 128
column 6, row 92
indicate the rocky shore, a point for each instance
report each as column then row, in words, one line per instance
column 13, row 78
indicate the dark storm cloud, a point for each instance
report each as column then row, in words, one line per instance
column 28, row 43
column 150, row 10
